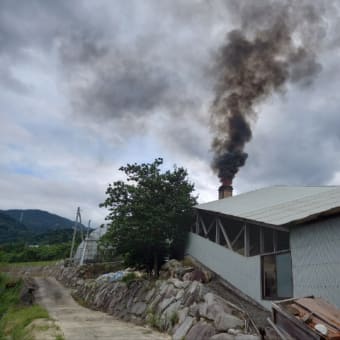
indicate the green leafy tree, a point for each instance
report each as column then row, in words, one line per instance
column 149, row 214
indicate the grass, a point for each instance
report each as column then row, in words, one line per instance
column 5, row 265
column 13, row 323
column 9, row 293
column 14, row 317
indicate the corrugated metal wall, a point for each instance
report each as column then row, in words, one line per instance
column 315, row 252
column 242, row 272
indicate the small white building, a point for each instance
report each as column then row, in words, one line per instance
column 273, row 243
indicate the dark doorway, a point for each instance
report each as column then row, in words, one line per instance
column 277, row 280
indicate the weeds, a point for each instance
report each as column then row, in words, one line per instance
column 17, row 318
column 14, row 317
column 174, row 318
column 129, row 277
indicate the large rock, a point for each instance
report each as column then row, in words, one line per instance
column 222, row 336
column 201, row 331
column 194, row 310
column 209, row 298
column 183, row 329
column 197, row 275
column 247, row 337
column 214, row 310
column 182, row 314
column 165, row 303
column 192, row 294
column 213, row 306
column 225, row 321
column 170, row 316
column 138, row 308
column 178, row 283
column 149, row 295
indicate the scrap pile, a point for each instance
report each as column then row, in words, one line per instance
column 306, row 318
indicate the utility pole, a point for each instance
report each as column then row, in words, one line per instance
column 75, row 227
column 85, row 243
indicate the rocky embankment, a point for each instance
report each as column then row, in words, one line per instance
column 185, row 309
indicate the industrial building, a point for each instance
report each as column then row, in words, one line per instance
column 273, row 243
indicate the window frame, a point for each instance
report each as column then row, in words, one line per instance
column 273, row 298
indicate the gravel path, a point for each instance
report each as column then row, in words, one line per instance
column 80, row 323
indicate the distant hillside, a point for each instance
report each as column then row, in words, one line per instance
column 34, row 227
column 12, row 230
column 39, row 221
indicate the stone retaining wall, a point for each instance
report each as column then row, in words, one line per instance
column 184, row 309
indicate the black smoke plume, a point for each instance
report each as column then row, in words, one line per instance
column 275, row 44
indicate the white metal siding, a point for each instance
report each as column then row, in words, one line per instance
column 242, row 272
column 315, row 252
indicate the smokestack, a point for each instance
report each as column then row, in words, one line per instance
column 225, row 190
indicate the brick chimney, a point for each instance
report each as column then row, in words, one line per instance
column 225, row 191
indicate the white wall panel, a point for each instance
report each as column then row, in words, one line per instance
column 242, row 272
column 315, row 252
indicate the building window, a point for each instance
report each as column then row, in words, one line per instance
column 277, row 280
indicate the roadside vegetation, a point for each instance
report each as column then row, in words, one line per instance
column 16, row 319
column 36, row 240
column 20, row 252
column 149, row 214
column 8, row 267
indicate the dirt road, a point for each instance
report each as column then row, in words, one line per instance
column 79, row 323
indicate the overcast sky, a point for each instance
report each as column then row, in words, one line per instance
column 87, row 86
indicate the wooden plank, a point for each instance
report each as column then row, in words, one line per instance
column 321, row 308
column 312, row 319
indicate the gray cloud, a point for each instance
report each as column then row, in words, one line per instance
column 139, row 76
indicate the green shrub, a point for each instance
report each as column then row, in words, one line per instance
column 129, row 277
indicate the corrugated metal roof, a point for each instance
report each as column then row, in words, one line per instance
column 278, row 205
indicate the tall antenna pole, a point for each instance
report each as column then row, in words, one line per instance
column 74, row 233
column 80, row 226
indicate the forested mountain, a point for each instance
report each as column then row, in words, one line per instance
column 35, row 235
column 11, row 230
column 39, row 221
column 34, row 227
